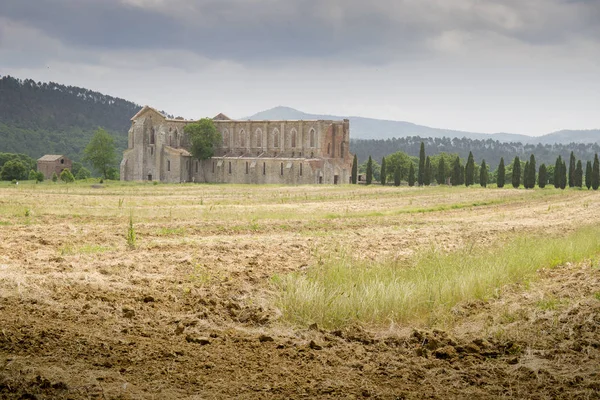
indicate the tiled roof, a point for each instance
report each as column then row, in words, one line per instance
column 50, row 157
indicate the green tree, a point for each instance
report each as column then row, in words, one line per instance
column 13, row 169
column 397, row 177
column 470, row 170
column 354, row 170
column 369, row 171
column 66, row 176
column 563, row 175
column 542, row 177
column 383, row 173
column 572, row 172
column 204, row 137
column 83, row 173
column 100, row 152
column 54, row 177
column 411, row 175
column 596, row 173
column 483, row 174
column 579, row 174
column 441, row 172
column 400, row 161
column 526, row 175
column 421, row 176
column 588, row 175
column 456, row 172
column 427, row 176
column 501, row 172
column 32, row 176
column 531, row 172
column 516, row 172
column 557, row 171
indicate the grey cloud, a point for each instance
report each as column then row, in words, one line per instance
column 260, row 31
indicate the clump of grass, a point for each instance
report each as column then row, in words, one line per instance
column 131, row 236
column 345, row 290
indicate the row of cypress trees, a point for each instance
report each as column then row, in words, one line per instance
column 465, row 174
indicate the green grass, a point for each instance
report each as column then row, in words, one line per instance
column 344, row 290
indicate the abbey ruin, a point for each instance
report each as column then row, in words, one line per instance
column 279, row 152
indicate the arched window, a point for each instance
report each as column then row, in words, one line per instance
column 342, row 149
column 258, row 134
column 328, row 148
column 242, row 138
column 177, row 144
column 294, row 134
column 225, row 134
column 281, row 168
column 276, row 138
column 311, row 136
column 170, row 140
column 152, row 135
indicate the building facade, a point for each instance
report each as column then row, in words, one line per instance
column 53, row 164
column 278, row 152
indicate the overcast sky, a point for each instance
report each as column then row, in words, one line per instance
column 520, row 66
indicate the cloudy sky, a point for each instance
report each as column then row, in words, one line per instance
column 520, row 66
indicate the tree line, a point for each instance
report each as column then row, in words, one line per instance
column 449, row 169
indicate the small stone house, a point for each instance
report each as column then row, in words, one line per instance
column 53, row 164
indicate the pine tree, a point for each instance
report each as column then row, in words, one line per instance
column 531, row 175
column 579, row 174
column 563, row 175
column 572, row 170
column 516, row 174
column 470, row 170
column 483, row 174
column 421, row 176
column 596, row 173
column 441, row 172
column 526, row 175
column 543, row 176
column 411, row 175
column 354, row 170
column 588, row 175
column 397, row 177
column 427, row 177
column 501, row 173
column 557, row 169
column 383, row 173
column 369, row 176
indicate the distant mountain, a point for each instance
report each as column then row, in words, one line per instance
column 50, row 118
column 370, row 128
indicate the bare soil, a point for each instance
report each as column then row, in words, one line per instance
column 189, row 312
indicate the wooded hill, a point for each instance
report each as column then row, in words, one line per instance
column 50, row 118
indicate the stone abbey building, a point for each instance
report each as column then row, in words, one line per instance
column 281, row 152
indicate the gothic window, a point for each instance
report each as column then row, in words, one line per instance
column 294, row 134
column 328, row 148
column 225, row 134
column 342, row 150
column 246, row 167
column 170, row 140
column 282, row 169
column 177, row 144
column 276, row 138
column 152, row 135
column 259, row 138
column 242, row 138
column 311, row 136
column 264, row 168
column 229, row 166
column 168, row 165
column 300, row 169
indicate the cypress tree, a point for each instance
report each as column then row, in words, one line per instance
column 501, row 173
column 441, row 172
column 526, row 175
column 427, row 177
column 421, row 176
column 470, row 170
column 411, row 175
column 557, row 169
column 516, row 173
column 369, row 176
column 596, row 173
column 588, row 175
column 572, row 173
column 383, row 174
column 455, row 177
column 483, row 174
column 531, row 176
column 397, row 177
column 461, row 175
column 543, row 177
column 354, row 170
column 563, row 175
column 579, row 174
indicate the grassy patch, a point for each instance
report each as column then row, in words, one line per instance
column 345, row 290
